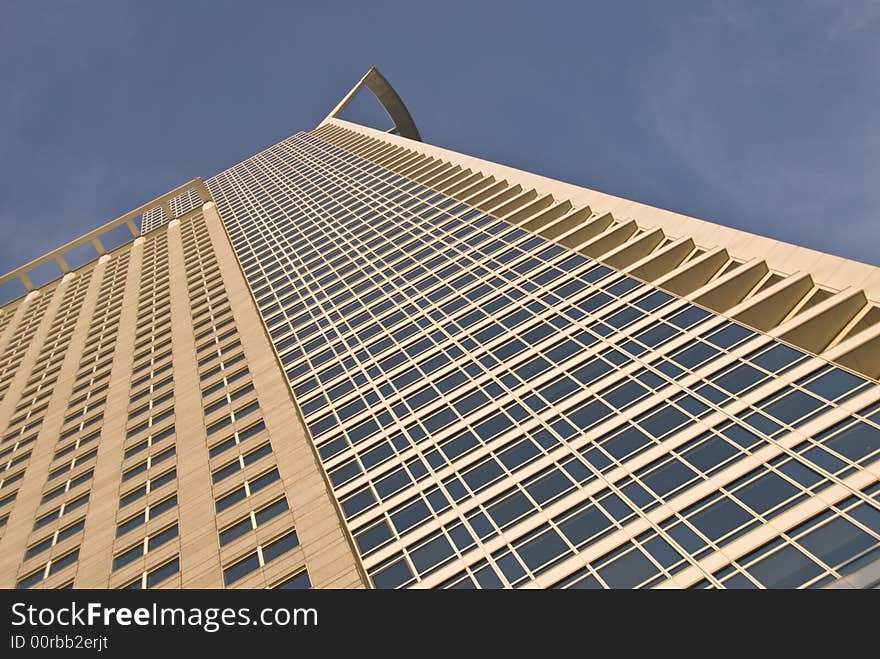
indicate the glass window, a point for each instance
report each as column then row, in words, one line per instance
column 584, row 525
column 509, row 509
column 159, row 575
column 296, row 582
column 857, row 441
column 235, row 531
column 787, row 568
column 709, row 454
column 834, row 384
column 836, row 541
column 689, row 317
column 656, row 335
column 766, row 492
column 662, row 421
column 777, row 358
column 483, row 474
column 729, row 335
column 694, row 355
column 393, row 575
column 241, row 569
column 279, row 547
column 627, row 571
column 630, row 393
column 737, row 378
column 540, row 549
column 588, row 415
column 791, row 407
column 720, row 518
column 431, row 553
column 518, row 454
column 544, row 489
column 625, row 443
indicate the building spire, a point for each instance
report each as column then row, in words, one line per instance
column 389, row 99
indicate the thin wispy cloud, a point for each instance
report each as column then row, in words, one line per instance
column 785, row 137
column 852, row 16
column 756, row 115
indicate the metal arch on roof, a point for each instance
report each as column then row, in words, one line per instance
column 390, row 100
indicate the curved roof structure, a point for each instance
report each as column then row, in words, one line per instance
column 390, row 100
column 822, row 303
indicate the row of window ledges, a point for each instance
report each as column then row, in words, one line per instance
column 180, row 205
column 160, row 570
column 152, row 362
column 54, row 469
column 513, row 414
column 32, row 426
column 150, row 429
column 155, row 528
column 22, row 431
column 259, row 531
column 22, row 338
column 569, row 229
column 587, row 374
column 299, row 580
column 669, row 475
column 6, row 315
column 93, row 369
column 29, row 415
column 82, row 423
column 19, row 341
column 161, row 536
column 48, row 362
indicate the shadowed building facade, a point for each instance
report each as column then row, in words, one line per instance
column 358, row 360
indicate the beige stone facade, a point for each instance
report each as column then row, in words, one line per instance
column 129, row 388
column 814, row 300
column 358, row 360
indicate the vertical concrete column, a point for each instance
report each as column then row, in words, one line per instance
column 17, row 313
column 96, row 550
column 199, row 549
column 329, row 553
column 23, row 371
column 21, row 520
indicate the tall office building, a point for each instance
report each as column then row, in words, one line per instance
column 358, row 360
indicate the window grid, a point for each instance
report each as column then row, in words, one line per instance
column 298, row 300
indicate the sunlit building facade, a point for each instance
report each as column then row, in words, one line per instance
column 359, row 360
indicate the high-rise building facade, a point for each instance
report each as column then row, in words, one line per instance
column 359, row 360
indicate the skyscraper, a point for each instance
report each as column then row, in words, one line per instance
column 359, row 360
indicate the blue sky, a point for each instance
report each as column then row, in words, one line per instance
column 758, row 115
